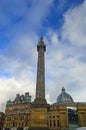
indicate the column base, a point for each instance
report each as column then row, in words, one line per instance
column 39, row 101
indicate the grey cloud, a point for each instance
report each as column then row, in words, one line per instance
column 64, row 68
column 74, row 28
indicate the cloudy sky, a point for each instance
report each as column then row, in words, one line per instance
column 62, row 23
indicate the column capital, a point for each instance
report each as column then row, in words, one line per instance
column 41, row 44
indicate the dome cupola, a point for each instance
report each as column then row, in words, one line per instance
column 64, row 97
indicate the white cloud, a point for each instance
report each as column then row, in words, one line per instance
column 66, row 64
column 38, row 12
column 10, row 87
column 74, row 29
column 19, row 60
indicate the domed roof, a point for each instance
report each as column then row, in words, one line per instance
column 64, row 97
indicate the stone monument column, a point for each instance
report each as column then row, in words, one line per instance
column 40, row 82
column 39, row 108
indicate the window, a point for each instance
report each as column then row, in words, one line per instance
column 21, row 117
column 58, row 123
column 54, row 123
column 58, row 116
column 8, row 118
column 50, row 116
column 53, row 116
column 15, row 117
column 50, row 123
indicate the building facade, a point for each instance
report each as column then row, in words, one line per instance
column 22, row 114
column 1, row 120
column 17, row 113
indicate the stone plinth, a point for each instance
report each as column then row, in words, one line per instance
column 39, row 117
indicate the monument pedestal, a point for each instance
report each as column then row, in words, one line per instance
column 39, row 108
column 39, row 117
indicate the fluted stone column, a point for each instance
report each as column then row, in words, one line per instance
column 40, row 82
column 39, row 107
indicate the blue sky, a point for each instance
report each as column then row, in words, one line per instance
column 62, row 23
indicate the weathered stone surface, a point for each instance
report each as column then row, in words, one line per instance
column 40, row 83
column 40, row 101
column 39, row 106
column 39, row 117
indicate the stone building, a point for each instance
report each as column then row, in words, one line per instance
column 17, row 113
column 1, row 120
column 65, row 114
